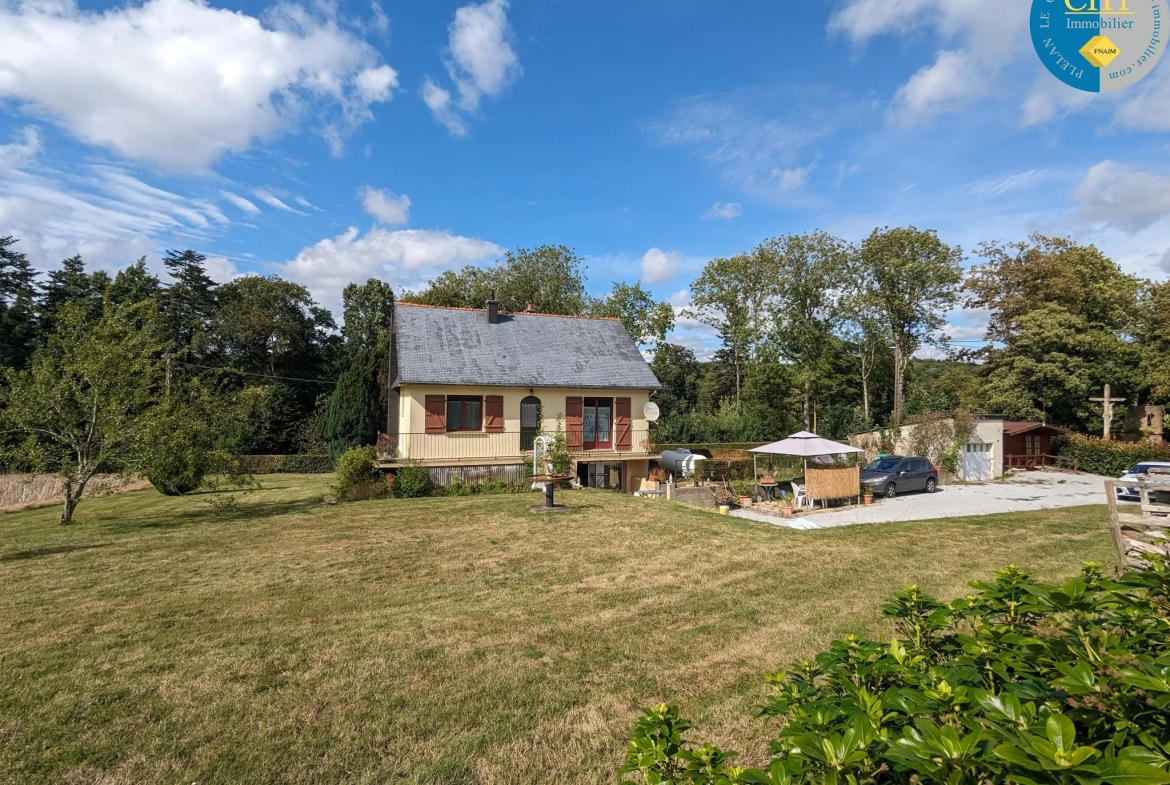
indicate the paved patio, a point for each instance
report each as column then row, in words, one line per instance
column 1039, row 490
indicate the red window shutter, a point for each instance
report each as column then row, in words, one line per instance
column 436, row 414
column 574, row 410
column 493, row 413
column 621, row 420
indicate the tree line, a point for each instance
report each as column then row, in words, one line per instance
column 813, row 332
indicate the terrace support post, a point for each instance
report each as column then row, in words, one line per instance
column 548, row 495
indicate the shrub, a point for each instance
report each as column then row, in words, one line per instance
column 483, row 487
column 1110, row 459
column 1020, row 682
column 286, row 464
column 413, row 482
column 358, row 475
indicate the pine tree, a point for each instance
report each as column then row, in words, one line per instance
column 189, row 303
column 18, row 319
column 352, row 417
column 68, row 285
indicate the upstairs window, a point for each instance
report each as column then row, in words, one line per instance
column 464, row 413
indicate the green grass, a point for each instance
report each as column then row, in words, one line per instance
column 457, row 640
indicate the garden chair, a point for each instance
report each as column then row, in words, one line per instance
column 798, row 496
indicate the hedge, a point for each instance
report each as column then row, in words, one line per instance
column 1109, row 459
column 285, row 464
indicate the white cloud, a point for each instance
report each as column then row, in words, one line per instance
column 480, row 61
column 658, row 265
column 726, row 211
column 385, row 206
column 439, row 102
column 990, row 187
column 181, row 83
column 402, row 257
column 1117, row 195
column 747, row 145
column 104, row 213
column 947, row 84
column 272, row 200
column 977, row 38
column 793, row 179
column 241, row 202
column 17, row 154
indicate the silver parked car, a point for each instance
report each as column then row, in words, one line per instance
column 1135, row 474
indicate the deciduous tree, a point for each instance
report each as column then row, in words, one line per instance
column 915, row 279
column 645, row 319
column 84, row 402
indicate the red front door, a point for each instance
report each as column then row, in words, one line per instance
column 597, row 424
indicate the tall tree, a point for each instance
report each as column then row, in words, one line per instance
column 1155, row 341
column 134, row 284
column 550, row 278
column 678, row 372
column 731, row 295
column 810, row 272
column 368, row 312
column 72, row 284
column 83, row 404
column 351, row 419
column 1061, row 319
column 18, row 318
column 645, row 319
column 915, row 279
column 188, row 304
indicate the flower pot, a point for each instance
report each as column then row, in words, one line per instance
column 767, row 481
column 745, row 501
column 788, row 512
column 868, row 498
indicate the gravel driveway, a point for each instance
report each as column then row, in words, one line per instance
column 1039, row 490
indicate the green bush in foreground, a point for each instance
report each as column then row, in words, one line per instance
column 358, row 476
column 1020, row 682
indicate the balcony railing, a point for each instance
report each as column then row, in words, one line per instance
column 470, row 446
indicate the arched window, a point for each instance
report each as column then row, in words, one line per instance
column 529, row 421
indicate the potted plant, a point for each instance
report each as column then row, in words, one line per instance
column 867, row 492
column 786, row 504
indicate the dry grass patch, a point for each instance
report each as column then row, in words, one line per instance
column 458, row 640
column 31, row 491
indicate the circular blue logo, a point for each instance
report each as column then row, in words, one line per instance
column 1100, row 46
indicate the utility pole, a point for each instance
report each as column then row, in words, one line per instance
column 1107, row 403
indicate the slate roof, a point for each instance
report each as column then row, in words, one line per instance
column 459, row 346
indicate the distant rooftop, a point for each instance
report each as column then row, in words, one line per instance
column 459, row 346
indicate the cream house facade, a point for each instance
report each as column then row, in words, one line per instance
column 473, row 388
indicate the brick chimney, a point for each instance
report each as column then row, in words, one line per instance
column 493, row 309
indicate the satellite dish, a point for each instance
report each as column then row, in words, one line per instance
column 651, row 411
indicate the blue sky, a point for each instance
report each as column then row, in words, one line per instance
column 334, row 142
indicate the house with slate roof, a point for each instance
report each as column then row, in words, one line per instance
column 471, row 389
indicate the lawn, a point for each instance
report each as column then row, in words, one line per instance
column 433, row 641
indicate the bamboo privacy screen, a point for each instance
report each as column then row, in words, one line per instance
column 1147, row 531
column 833, row 482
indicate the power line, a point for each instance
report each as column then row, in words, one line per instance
column 259, row 375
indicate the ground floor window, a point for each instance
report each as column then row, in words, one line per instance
column 1032, row 445
column 600, row 475
column 464, row 412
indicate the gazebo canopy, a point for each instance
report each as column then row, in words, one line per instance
column 805, row 445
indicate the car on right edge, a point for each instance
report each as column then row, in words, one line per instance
column 1135, row 474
